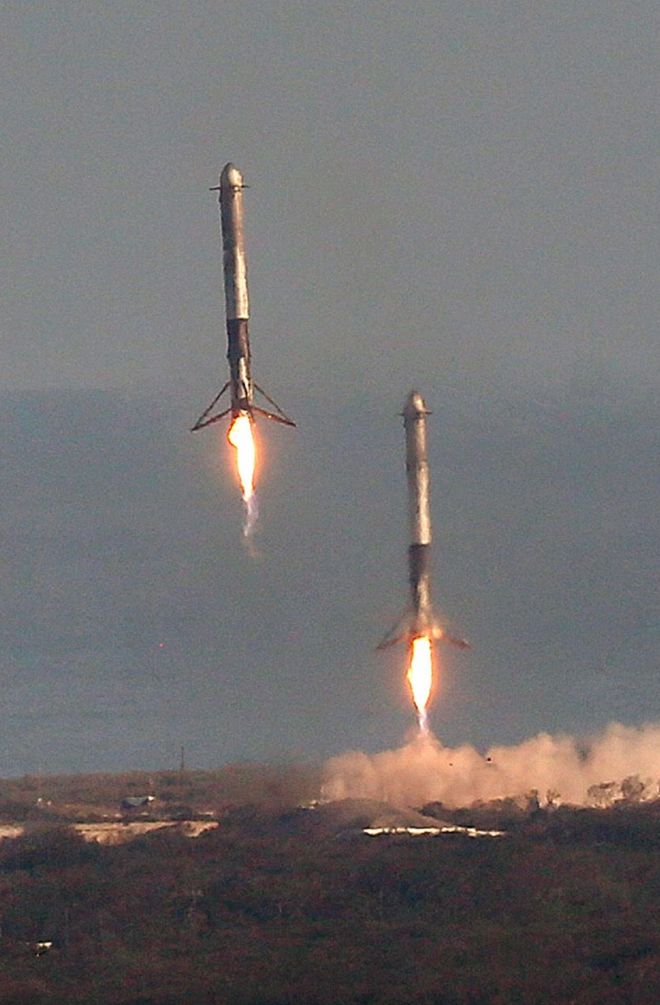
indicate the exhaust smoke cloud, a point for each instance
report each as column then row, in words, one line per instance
column 622, row 760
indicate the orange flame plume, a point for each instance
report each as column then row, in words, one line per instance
column 241, row 438
column 420, row 677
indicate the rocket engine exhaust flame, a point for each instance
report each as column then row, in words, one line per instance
column 241, row 437
column 241, row 386
column 420, row 677
column 419, row 626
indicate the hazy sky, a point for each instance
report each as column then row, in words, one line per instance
column 456, row 197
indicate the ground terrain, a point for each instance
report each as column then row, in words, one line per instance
column 279, row 904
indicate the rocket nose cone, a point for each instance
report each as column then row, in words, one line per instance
column 414, row 405
column 231, row 177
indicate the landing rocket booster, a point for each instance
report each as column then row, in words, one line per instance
column 240, row 385
column 419, row 620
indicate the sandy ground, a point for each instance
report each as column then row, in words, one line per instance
column 120, row 833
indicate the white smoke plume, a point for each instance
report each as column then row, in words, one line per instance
column 251, row 515
column 559, row 768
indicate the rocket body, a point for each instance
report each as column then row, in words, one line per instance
column 419, row 619
column 419, row 512
column 240, row 385
column 237, row 302
column 234, row 260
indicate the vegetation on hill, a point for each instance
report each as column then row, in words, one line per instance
column 277, row 906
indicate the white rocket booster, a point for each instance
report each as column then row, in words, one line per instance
column 419, row 619
column 237, row 310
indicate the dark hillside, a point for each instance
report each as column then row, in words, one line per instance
column 274, row 908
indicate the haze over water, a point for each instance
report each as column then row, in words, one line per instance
column 456, row 200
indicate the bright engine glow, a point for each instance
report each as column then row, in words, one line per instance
column 241, row 437
column 420, row 677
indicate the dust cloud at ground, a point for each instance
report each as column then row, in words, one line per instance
column 622, row 761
